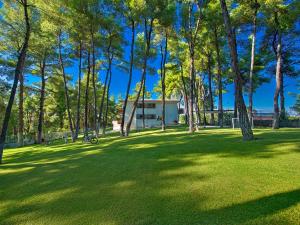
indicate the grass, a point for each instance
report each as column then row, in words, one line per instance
column 151, row 177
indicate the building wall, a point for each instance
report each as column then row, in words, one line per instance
column 171, row 114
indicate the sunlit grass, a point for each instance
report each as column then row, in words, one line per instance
column 155, row 177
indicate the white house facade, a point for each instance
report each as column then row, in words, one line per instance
column 153, row 114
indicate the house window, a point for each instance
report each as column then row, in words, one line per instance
column 147, row 116
column 147, row 105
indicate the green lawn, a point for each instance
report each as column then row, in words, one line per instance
column 211, row 177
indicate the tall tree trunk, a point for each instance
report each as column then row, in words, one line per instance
column 148, row 45
column 78, row 92
column 278, row 77
column 143, row 102
column 235, row 108
column 105, row 85
column 219, row 79
column 86, row 109
column 282, row 99
column 191, row 43
column 243, row 116
column 130, row 76
column 107, row 100
column 197, row 106
column 163, row 83
column 61, row 62
column 18, row 71
column 252, row 66
column 203, row 103
column 42, row 100
column 21, row 111
column 185, row 94
column 144, row 82
column 94, row 84
column 192, row 87
column 210, row 93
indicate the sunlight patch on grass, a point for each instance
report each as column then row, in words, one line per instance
column 14, row 170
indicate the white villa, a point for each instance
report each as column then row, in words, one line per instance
column 153, row 114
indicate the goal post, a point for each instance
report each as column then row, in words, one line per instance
column 235, row 123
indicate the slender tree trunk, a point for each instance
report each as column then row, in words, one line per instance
column 235, row 109
column 107, row 100
column 185, row 94
column 282, row 99
column 192, row 87
column 143, row 102
column 105, row 85
column 210, row 93
column 78, row 92
column 219, row 79
column 42, row 100
column 252, row 67
column 130, row 76
column 61, row 62
column 197, row 106
column 148, row 45
column 191, row 42
column 18, row 71
column 21, row 111
column 163, row 83
column 86, row 109
column 278, row 78
column 204, row 107
column 243, row 116
column 94, row 84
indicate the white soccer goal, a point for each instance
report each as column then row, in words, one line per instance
column 235, row 123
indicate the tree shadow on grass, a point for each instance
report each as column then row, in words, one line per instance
column 254, row 209
column 144, row 179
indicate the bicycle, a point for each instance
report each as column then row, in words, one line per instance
column 90, row 138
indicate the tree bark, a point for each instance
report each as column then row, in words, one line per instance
column 148, row 45
column 243, row 116
column 252, row 66
column 219, row 79
column 143, row 102
column 105, row 84
column 94, row 84
column 107, row 99
column 78, row 91
column 278, row 77
column 198, row 117
column 185, row 94
column 42, row 100
column 191, row 42
column 19, row 70
column 130, row 76
column 61, row 62
column 282, row 99
column 163, row 83
column 210, row 93
column 86, row 108
column 203, row 103
column 21, row 111
column 192, row 87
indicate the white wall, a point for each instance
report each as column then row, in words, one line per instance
column 171, row 114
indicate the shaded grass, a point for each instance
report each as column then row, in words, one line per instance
column 151, row 177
